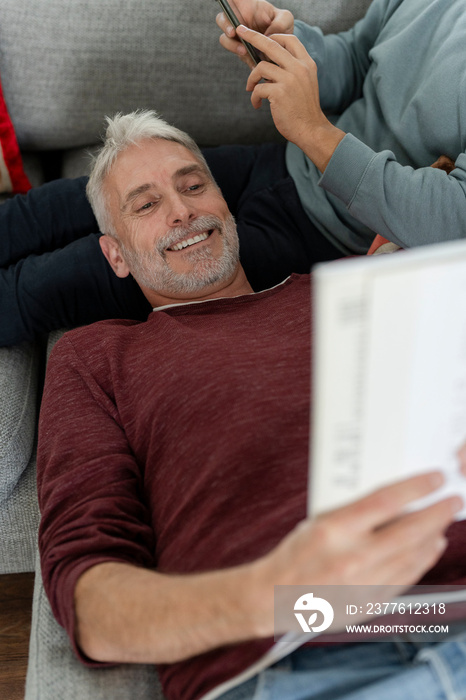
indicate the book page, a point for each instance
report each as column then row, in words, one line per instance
column 389, row 371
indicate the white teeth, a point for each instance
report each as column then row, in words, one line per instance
column 190, row 241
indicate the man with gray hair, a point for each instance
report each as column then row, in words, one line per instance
column 173, row 458
column 52, row 273
column 322, row 193
column 150, row 268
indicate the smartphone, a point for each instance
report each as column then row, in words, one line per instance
column 231, row 11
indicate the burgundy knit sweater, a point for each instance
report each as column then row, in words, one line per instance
column 182, row 443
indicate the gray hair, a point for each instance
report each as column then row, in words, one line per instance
column 123, row 131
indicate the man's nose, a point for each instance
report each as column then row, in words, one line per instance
column 179, row 210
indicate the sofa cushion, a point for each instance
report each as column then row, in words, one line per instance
column 19, row 522
column 63, row 69
column 18, row 412
column 19, row 379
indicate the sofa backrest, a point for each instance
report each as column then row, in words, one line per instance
column 65, row 64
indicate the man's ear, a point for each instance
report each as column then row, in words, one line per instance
column 111, row 250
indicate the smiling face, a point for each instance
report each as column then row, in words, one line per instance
column 175, row 232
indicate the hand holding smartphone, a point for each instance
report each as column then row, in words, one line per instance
column 234, row 16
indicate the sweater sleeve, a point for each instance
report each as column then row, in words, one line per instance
column 405, row 205
column 343, row 59
column 89, row 484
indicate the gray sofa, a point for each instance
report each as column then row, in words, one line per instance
column 64, row 65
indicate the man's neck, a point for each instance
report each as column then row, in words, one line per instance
column 233, row 287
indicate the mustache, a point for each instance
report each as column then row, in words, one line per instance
column 202, row 223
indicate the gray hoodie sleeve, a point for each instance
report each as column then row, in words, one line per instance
column 343, row 59
column 408, row 206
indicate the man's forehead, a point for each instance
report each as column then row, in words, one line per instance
column 151, row 163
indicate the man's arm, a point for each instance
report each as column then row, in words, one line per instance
column 129, row 614
column 89, row 484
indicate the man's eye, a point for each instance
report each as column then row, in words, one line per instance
column 148, row 205
column 195, row 188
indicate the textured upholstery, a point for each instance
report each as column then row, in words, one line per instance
column 19, row 379
column 96, row 58
column 19, row 520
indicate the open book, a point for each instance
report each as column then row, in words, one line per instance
column 389, row 368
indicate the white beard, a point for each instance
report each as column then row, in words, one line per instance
column 151, row 269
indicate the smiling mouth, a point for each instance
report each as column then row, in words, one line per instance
column 186, row 242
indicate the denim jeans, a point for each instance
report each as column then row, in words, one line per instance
column 395, row 670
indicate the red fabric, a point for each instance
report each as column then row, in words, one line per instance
column 11, row 154
column 194, row 426
column 181, row 442
column 376, row 243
